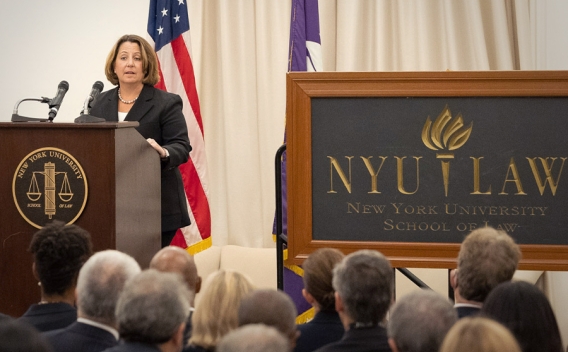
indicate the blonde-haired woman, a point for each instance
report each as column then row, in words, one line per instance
column 479, row 334
column 216, row 313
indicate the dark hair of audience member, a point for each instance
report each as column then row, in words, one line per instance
column 57, row 258
column 16, row 336
column 318, row 275
column 525, row 310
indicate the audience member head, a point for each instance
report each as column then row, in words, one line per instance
column 478, row 334
column 216, row 313
column 152, row 309
column 59, row 252
column 525, row 310
column 254, row 338
column 16, row 336
column 100, row 283
column 272, row 308
column 487, row 258
column 419, row 321
column 318, row 274
column 176, row 260
column 363, row 283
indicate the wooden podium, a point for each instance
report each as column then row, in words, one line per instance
column 121, row 208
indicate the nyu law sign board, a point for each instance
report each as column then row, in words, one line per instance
column 410, row 163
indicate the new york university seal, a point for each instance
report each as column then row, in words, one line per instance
column 49, row 183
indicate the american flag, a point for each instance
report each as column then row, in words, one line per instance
column 168, row 28
column 304, row 55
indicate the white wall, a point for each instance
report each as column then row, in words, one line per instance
column 45, row 42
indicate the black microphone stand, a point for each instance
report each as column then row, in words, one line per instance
column 18, row 118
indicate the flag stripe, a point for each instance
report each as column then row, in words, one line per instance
column 198, row 202
column 176, row 83
column 168, row 26
column 185, row 67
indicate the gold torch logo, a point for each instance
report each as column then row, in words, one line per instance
column 445, row 135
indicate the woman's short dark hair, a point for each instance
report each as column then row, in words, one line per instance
column 525, row 310
column 59, row 251
column 149, row 60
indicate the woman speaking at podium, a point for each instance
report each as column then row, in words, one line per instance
column 132, row 66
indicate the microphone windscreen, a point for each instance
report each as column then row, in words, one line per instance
column 63, row 85
column 98, row 85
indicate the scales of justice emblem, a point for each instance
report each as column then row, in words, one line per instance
column 49, row 184
column 34, row 193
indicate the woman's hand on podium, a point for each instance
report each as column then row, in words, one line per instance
column 161, row 151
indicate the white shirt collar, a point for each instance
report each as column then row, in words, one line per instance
column 470, row 305
column 110, row 329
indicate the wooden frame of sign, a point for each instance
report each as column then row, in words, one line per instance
column 408, row 163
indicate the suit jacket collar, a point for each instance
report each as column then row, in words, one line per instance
column 142, row 105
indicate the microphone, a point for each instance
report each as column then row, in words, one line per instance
column 95, row 91
column 55, row 103
column 85, row 117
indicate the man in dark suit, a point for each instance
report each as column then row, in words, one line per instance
column 151, row 313
column 487, row 258
column 176, row 260
column 364, row 285
column 100, row 282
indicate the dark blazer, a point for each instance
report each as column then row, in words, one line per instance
column 51, row 316
column 133, row 347
column 195, row 348
column 80, row 337
column 324, row 328
column 467, row 311
column 188, row 326
column 161, row 118
column 373, row 339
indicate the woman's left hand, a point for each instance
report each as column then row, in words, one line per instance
column 158, row 147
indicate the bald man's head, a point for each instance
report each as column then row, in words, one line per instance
column 176, row 260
